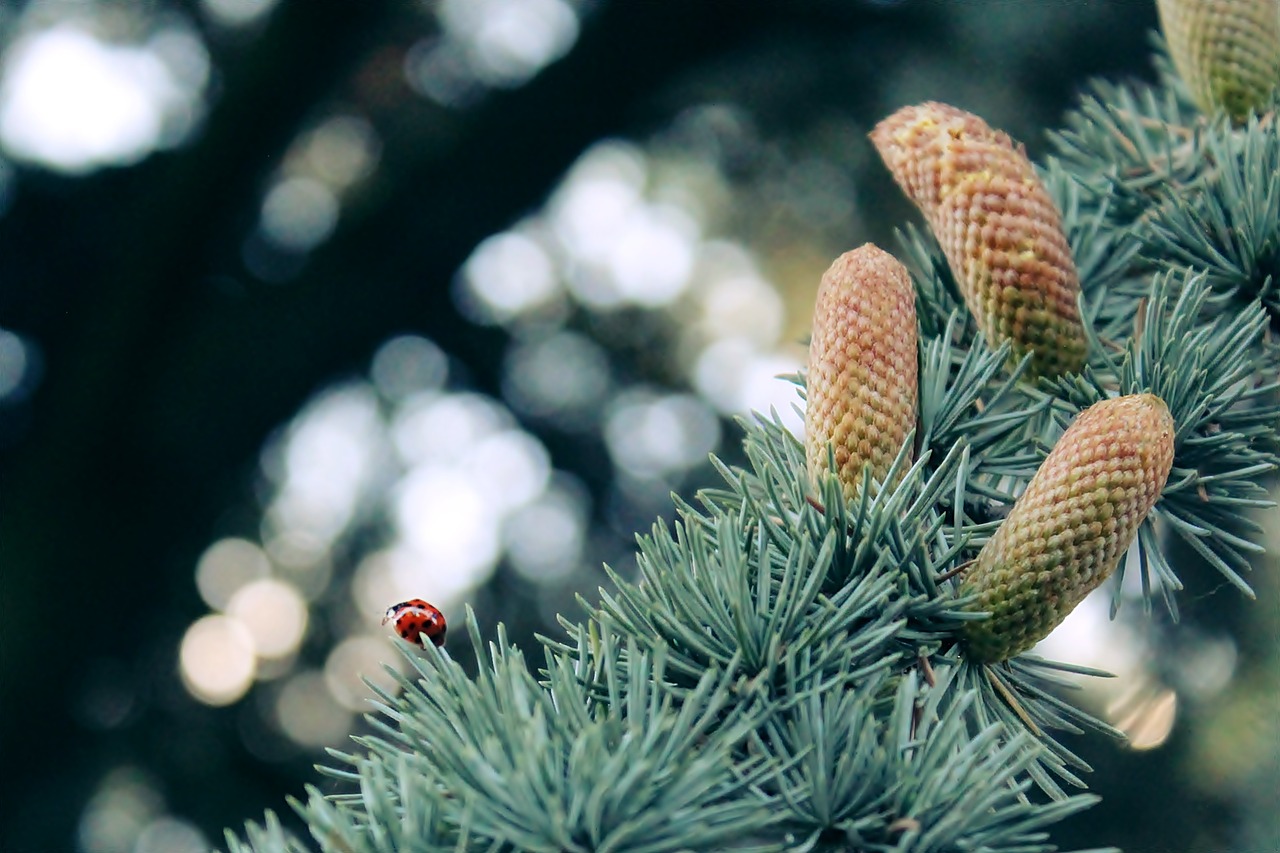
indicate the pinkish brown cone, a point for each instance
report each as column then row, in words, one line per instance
column 862, row 376
column 1071, row 527
column 998, row 227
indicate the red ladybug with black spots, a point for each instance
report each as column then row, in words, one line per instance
column 416, row 620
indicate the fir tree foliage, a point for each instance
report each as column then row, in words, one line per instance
column 1134, row 142
column 1230, row 230
column 1111, row 285
column 787, row 669
column 847, row 776
column 1194, row 191
column 968, row 399
column 590, row 759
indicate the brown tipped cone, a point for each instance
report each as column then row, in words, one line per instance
column 997, row 226
column 1072, row 525
column 862, row 376
column 1227, row 51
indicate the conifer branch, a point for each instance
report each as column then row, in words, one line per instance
column 1133, row 141
column 830, row 650
column 1230, row 230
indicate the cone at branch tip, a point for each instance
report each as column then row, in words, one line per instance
column 1227, row 51
column 998, row 227
column 863, row 367
column 1071, row 527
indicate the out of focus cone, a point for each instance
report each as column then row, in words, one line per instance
column 1227, row 51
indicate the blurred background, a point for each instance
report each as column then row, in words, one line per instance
column 309, row 308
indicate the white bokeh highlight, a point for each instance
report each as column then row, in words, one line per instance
column 73, row 102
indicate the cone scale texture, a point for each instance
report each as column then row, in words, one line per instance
column 1071, row 527
column 998, row 227
column 863, row 370
column 1227, row 51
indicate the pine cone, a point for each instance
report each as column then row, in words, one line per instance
column 862, row 366
column 997, row 226
column 1228, row 51
column 1072, row 525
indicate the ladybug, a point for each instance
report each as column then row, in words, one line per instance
column 415, row 620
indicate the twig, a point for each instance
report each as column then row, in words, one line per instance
column 1013, row 702
column 958, row 570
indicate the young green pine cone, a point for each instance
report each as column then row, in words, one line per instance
column 1227, row 51
column 997, row 226
column 1072, row 525
column 861, row 385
